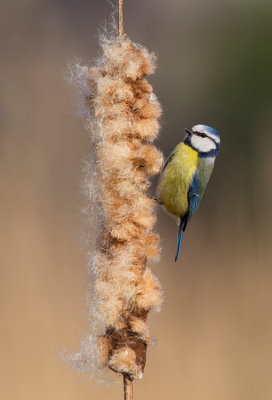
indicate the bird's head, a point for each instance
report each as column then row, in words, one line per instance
column 204, row 139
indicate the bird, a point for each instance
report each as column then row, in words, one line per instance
column 185, row 174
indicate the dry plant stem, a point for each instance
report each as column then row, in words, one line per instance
column 128, row 388
column 121, row 18
column 128, row 385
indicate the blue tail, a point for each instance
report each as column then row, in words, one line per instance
column 180, row 235
column 182, row 226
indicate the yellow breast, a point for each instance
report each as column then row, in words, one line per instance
column 176, row 178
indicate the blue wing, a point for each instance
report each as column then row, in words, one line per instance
column 180, row 235
column 193, row 203
column 193, row 196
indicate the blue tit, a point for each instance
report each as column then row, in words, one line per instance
column 186, row 173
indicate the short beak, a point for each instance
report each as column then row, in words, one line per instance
column 189, row 131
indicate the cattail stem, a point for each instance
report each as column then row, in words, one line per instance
column 121, row 18
column 128, row 388
column 128, row 384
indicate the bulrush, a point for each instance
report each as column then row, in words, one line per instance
column 123, row 121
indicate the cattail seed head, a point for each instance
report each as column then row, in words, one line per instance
column 123, row 120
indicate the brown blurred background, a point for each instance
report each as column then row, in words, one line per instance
column 214, row 334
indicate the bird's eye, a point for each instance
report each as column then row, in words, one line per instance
column 201, row 134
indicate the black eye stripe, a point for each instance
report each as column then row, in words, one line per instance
column 201, row 134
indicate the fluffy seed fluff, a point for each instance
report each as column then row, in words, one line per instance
column 123, row 120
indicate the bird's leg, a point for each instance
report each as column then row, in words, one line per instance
column 152, row 197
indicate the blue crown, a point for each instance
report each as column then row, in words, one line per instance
column 205, row 128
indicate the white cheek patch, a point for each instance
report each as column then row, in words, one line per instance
column 203, row 129
column 202, row 144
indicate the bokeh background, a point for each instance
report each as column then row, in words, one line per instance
column 214, row 333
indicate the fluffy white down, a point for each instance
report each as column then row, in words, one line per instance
column 202, row 144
